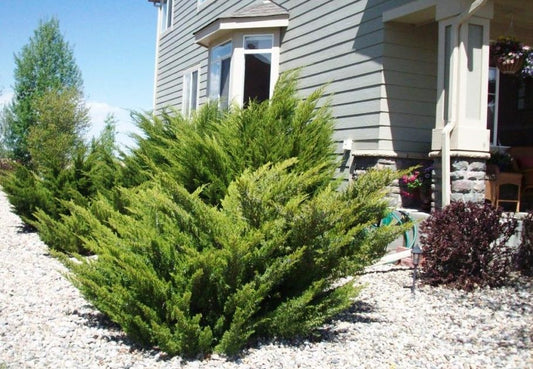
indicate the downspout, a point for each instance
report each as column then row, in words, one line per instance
column 450, row 125
column 156, row 61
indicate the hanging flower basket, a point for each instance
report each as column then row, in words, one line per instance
column 510, row 66
column 508, row 55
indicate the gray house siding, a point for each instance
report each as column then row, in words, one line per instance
column 178, row 51
column 382, row 77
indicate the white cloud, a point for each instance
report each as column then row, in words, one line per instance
column 98, row 112
column 5, row 98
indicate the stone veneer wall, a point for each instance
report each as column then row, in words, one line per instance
column 467, row 177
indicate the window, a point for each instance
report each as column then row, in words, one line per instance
column 190, row 92
column 166, row 14
column 510, row 109
column 219, row 73
column 257, row 67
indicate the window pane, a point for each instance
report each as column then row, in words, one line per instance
column 194, row 91
column 257, row 77
column 258, row 42
column 186, row 93
column 492, row 104
column 219, row 73
column 224, row 82
column 214, row 80
column 169, row 13
column 221, row 51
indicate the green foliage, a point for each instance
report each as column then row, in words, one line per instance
column 43, row 195
column 191, row 278
column 56, row 134
column 465, row 246
column 213, row 148
column 45, row 64
column 222, row 228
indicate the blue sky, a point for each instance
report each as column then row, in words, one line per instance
column 114, row 47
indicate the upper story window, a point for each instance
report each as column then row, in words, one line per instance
column 257, row 67
column 246, row 66
column 166, row 14
column 242, row 70
column 190, row 91
column 219, row 73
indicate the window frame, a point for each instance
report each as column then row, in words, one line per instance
column 246, row 51
column 187, row 105
column 166, row 20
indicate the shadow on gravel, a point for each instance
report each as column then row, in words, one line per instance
column 331, row 332
column 113, row 332
column 391, row 270
column 26, row 228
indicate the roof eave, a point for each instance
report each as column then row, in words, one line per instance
column 223, row 26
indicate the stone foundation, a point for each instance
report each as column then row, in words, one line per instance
column 467, row 177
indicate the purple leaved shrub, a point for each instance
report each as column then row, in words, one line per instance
column 465, row 246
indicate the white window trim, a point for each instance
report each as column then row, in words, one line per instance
column 186, row 90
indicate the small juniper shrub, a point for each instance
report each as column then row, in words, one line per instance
column 465, row 246
column 523, row 259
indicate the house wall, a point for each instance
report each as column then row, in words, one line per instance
column 178, row 51
column 344, row 44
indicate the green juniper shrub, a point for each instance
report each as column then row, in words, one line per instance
column 27, row 193
column 523, row 258
column 193, row 278
column 465, row 246
column 212, row 148
column 40, row 197
column 228, row 226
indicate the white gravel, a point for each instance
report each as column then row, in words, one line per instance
column 45, row 323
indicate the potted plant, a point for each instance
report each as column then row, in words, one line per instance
column 415, row 188
column 508, row 54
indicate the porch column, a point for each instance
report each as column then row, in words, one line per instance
column 460, row 139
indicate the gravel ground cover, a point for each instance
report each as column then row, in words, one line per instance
column 46, row 323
